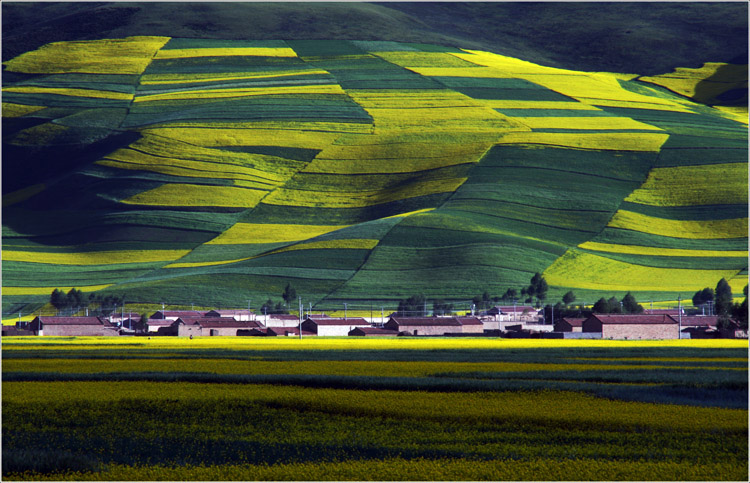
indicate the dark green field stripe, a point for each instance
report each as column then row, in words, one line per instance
column 693, row 263
column 432, row 384
column 700, row 212
column 629, row 237
column 264, row 213
column 609, row 164
column 196, row 43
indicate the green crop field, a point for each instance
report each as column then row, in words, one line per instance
column 406, row 409
column 219, row 170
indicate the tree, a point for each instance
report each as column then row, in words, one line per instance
column 739, row 311
column 510, row 294
column 413, row 306
column 74, row 298
column 614, row 306
column 569, row 298
column 57, row 299
column 601, row 306
column 267, row 308
column 290, row 294
column 538, row 287
column 440, row 307
column 704, row 296
column 630, row 305
column 723, row 297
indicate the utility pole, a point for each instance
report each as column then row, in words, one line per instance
column 344, row 310
column 300, row 318
column 382, row 316
column 679, row 315
column 514, row 309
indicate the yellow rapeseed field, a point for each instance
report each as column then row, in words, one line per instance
column 130, row 55
column 10, row 109
column 703, row 229
column 62, row 91
column 94, row 258
column 202, row 77
column 241, row 233
column 594, row 122
column 182, row 194
column 583, row 270
column 356, row 199
column 48, row 290
column 584, row 140
column 250, row 136
column 225, row 52
column 668, row 252
column 241, row 92
column 710, row 184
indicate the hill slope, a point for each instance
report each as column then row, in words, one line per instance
column 215, row 171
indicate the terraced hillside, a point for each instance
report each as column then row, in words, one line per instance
column 217, row 171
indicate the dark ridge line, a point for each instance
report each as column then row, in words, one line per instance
column 182, row 167
column 485, row 200
column 513, row 219
column 560, row 170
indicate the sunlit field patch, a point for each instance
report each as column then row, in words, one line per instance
column 704, row 229
column 226, row 51
column 713, row 184
column 10, row 109
column 670, row 252
column 714, row 78
column 585, row 270
column 181, row 194
column 48, row 290
column 95, row 257
column 270, row 233
column 112, row 56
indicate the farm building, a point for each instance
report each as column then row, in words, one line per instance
column 569, row 324
column 9, row 330
column 238, row 314
column 72, row 326
column 435, row 325
column 280, row 320
column 174, row 314
column 511, row 313
column 372, row 332
column 633, row 326
column 333, row 326
column 288, row 332
column 211, row 326
column 156, row 325
column 672, row 312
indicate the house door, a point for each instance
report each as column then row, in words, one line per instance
column 214, row 332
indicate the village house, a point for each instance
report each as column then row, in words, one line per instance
column 372, row 332
column 675, row 312
column 288, row 332
column 569, row 324
column 174, row 314
column 435, row 325
column 279, row 320
column 509, row 313
column 333, row 326
column 633, row 326
column 72, row 326
column 238, row 314
column 211, row 326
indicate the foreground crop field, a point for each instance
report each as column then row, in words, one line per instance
column 399, row 409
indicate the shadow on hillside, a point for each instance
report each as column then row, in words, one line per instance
column 727, row 87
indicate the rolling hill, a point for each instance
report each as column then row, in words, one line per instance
column 216, row 171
